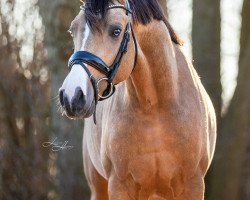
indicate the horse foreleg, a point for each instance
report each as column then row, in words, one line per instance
column 98, row 185
column 194, row 189
column 117, row 190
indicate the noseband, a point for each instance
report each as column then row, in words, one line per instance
column 85, row 57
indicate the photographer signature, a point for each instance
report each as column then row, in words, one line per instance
column 57, row 146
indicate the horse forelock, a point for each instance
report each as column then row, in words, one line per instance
column 144, row 11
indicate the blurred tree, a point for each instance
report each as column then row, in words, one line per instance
column 57, row 16
column 206, row 53
column 244, row 192
column 226, row 180
column 234, row 133
column 24, row 105
column 206, row 47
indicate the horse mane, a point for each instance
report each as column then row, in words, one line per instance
column 144, row 11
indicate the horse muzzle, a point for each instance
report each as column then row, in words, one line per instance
column 77, row 106
column 77, row 95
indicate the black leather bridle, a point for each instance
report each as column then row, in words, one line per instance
column 85, row 57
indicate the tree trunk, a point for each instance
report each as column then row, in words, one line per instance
column 244, row 51
column 206, row 54
column 24, row 109
column 57, row 16
column 235, row 129
column 206, row 47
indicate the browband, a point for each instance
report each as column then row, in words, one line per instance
column 83, row 7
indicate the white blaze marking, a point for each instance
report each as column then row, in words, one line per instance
column 77, row 76
column 86, row 36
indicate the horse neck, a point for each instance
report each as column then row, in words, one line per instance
column 154, row 80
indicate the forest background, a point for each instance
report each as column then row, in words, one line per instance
column 34, row 49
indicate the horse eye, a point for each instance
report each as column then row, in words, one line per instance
column 117, row 32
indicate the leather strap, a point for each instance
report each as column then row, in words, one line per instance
column 89, row 59
column 122, row 50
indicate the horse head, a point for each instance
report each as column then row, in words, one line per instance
column 105, row 55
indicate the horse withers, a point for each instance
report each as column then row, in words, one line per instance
column 150, row 130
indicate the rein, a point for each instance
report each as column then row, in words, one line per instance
column 85, row 57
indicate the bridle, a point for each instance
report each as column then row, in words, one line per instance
column 85, row 57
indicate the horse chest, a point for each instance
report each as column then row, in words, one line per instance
column 146, row 151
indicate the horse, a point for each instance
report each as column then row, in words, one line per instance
column 150, row 126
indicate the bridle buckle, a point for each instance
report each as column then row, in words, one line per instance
column 109, row 90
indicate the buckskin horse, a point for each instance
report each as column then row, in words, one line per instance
column 151, row 127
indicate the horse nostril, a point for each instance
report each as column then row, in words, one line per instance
column 61, row 94
column 81, row 97
column 78, row 101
